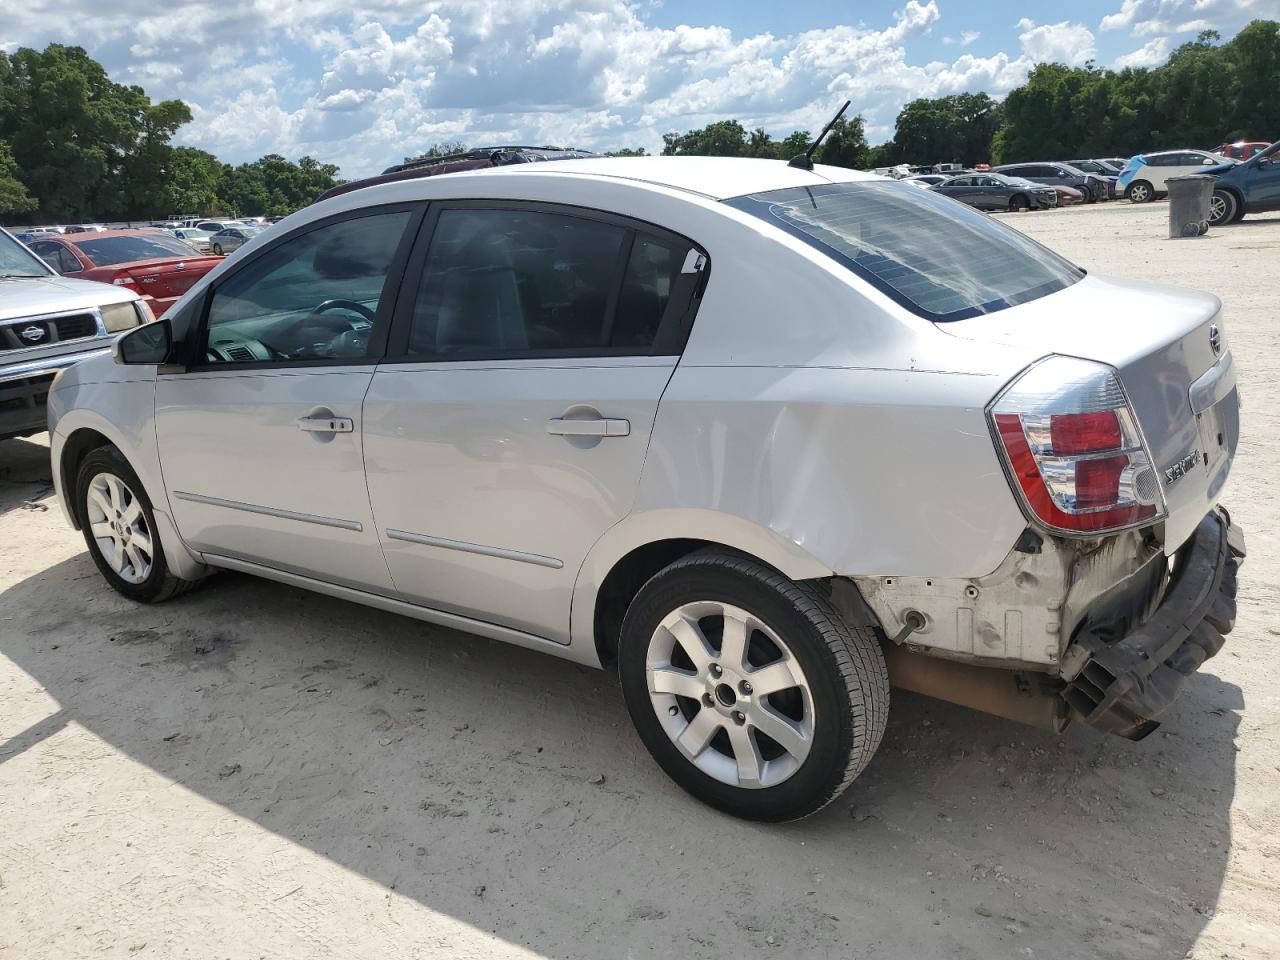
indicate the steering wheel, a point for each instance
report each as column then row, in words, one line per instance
column 352, row 305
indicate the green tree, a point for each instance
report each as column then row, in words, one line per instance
column 627, row 152
column 14, row 197
column 725, row 138
column 955, row 129
column 845, row 145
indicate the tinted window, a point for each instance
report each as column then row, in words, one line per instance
column 651, row 276
column 58, row 257
column 942, row 260
column 507, row 282
column 150, row 246
column 1014, row 171
column 313, row 297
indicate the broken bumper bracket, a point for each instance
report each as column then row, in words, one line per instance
column 1125, row 684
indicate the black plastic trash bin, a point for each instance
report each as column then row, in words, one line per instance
column 1189, row 205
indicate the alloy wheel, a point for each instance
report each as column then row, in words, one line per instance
column 119, row 527
column 1138, row 193
column 730, row 695
column 1220, row 208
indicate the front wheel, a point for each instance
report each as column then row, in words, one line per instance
column 1224, row 208
column 748, row 688
column 1140, row 192
column 1018, row 203
column 120, row 529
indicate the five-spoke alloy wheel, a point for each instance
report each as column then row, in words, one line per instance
column 748, row 688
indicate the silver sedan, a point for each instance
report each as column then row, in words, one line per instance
column 232, row 238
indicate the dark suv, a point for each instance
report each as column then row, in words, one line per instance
column 1093, row 187
column 480, row 158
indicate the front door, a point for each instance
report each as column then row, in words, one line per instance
column 508, row 429
column 260, row 438
column 1262, row 186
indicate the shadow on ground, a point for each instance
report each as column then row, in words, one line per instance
column 437, row 763
column 25, row 476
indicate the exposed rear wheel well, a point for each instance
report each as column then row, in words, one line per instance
column 624, row 581
column 77, row 447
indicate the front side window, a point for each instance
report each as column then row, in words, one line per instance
column 941, row 260
column 522, row 282
column 312, row 297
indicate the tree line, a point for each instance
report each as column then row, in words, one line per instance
column 1207, row 93
column 74, row 146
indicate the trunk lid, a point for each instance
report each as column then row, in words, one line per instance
column 1161, row 340
column 166, row 279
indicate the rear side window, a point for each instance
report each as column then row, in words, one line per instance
column 939, row 259
column 527, row 282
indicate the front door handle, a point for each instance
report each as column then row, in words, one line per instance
column 326, row 424
column 598, row 427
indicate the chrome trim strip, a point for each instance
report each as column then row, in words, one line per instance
column 501, row 553
column 19, row 371
column 455, row 620
column 271, row 511
column 1213, row 385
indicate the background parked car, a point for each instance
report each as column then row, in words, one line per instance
column 1143, row 178
column 213, row 226
column 1067, row 196
column 1241, row 149
column 154, row 264
column 197, row 238
column 1249, row 187
column 991, row 191
column 232, row 238
column 1058, row 174
column 1101, row 169
column 927, row 179
column 85, row 228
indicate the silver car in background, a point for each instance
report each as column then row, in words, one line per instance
column 231, row 238
column 200, row 239
column 762, row 439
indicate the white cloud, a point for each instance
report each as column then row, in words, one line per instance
column 1065, row 42
column 1150, row 54
column 1150, row 17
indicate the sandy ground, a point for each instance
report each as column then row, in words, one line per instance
column 253, row 771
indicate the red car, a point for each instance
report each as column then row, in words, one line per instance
column 156, row 265
column 1241, row 150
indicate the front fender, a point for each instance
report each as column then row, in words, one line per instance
column 100, row 408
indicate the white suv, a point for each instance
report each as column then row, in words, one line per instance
column 763, row 439
column 1145, row 177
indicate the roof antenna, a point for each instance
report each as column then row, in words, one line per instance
column 804, row 161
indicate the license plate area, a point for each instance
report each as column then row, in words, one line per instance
column 1219, row 428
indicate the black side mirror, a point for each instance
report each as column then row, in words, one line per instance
column 149, row 343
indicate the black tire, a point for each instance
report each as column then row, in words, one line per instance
column 1018, row 203
column 1140, row 191
column 843, row 665
column 1224, row 208
column 159, row 584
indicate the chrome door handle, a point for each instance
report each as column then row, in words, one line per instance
column 326, row 424
column 599, row 427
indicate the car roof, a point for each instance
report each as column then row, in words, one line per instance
column 107, row 234
column 718, row 178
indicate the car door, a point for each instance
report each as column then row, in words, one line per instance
column 989, row 193
column 506, row 431
column 957, row 188
column 1262, row 184
column 260, row 433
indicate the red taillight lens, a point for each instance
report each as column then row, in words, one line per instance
column 126, row 281
column 1075, row 433
column 1073, row 448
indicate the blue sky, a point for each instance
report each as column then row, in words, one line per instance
column 363, row 83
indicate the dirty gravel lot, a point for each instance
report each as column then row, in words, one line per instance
column 253, row 771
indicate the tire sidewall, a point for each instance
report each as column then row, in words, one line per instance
column 823, row 770
column 1232, row 209
column 1140, row 186
column 110, row 460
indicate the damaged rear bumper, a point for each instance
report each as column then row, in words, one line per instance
column 1124, row 684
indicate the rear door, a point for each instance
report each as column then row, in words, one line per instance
column 507, row 429
column 260, row 435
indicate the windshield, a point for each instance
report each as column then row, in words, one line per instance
column 17, row 261
column 151, row 246
column 940, row 259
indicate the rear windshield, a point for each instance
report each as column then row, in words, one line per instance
column 151, row 246
column 937, row 257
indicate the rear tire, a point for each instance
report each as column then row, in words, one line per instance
column 774, row 733
column 1140, row 192
column 119, row 529
column 1224, row 208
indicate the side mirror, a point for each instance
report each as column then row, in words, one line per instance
column 149, row 343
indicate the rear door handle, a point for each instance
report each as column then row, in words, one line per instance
column 326, row 424
column 600, row 427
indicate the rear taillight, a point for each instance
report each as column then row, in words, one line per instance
column 126, row 281
column 1074, row 450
